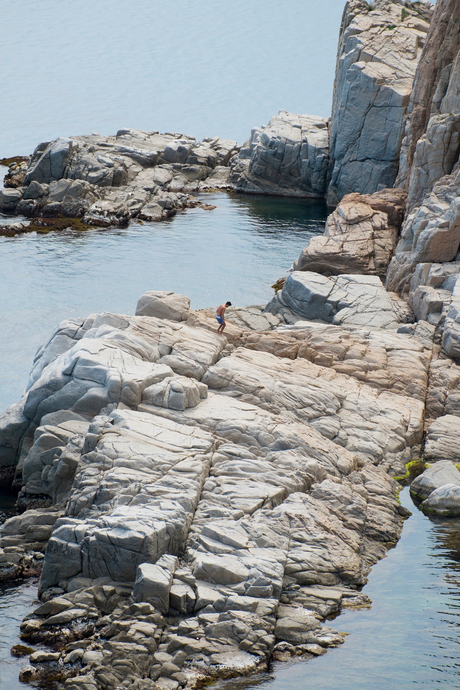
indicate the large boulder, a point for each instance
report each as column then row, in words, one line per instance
column 443, row 439
column 441, row 473
column 444, row 501
column 153, row 582
column 360, row 236
column 343, row 300
column 163, row 305
column 289, row 156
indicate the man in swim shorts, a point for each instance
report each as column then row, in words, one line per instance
column 220, row 316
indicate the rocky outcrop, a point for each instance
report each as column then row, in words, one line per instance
column 430, row 237
column 379, row 49
column 289, row 157
column 430, row 234
column 110, row 180
column 354, row 300
column 360, row 236
column 211, row 505
column 431, row 118
column 439, row 489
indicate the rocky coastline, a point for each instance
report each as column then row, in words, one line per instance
column 199, row 505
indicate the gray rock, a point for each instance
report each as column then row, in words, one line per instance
column 444, row 501
column 360, row 236
column 443, row 439
column 153, row 582
column 347, row 299
column 9, row 199
column 177, row 393
column 109, row 180
column 51, row 162
column 295, row 625
column 164, row 305
column 377, row 57
column 289, row 156
column 436, row 476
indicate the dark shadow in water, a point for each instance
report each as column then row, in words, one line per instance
column 275, row 215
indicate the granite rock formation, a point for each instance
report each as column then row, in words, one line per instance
column 360, row 236
column 379, row 50
column 354, row 300
column 110, row 180
column 207, row 502
column 289, row 157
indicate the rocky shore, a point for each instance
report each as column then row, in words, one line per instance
column 200, row 505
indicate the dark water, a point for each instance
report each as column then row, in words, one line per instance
column 235, row 252
column 16, row 601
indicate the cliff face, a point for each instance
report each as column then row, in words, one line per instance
column 429, row 167
column 379, row 49
column 435, row 94
column 295, row 155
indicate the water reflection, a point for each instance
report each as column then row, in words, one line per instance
column 276, row 215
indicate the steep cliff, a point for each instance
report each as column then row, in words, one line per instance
column 435, row 93
column 379, row 49
column 430, row 238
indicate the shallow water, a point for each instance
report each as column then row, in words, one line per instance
column 16, row 601
column 409, row 638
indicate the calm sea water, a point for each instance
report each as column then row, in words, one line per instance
column 234, row 252
column 203, row 68
column 409, row 638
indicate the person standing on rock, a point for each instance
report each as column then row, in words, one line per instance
column 220, row 316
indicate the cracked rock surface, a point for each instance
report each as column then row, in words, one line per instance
column 182, row 542
column 110, row 180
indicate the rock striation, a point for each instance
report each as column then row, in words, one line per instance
column 111, row 180
column 360, row 236
column 205, row 505
column 289, row 157
column 355, row 300
column 438, row 489
column 379, row 49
